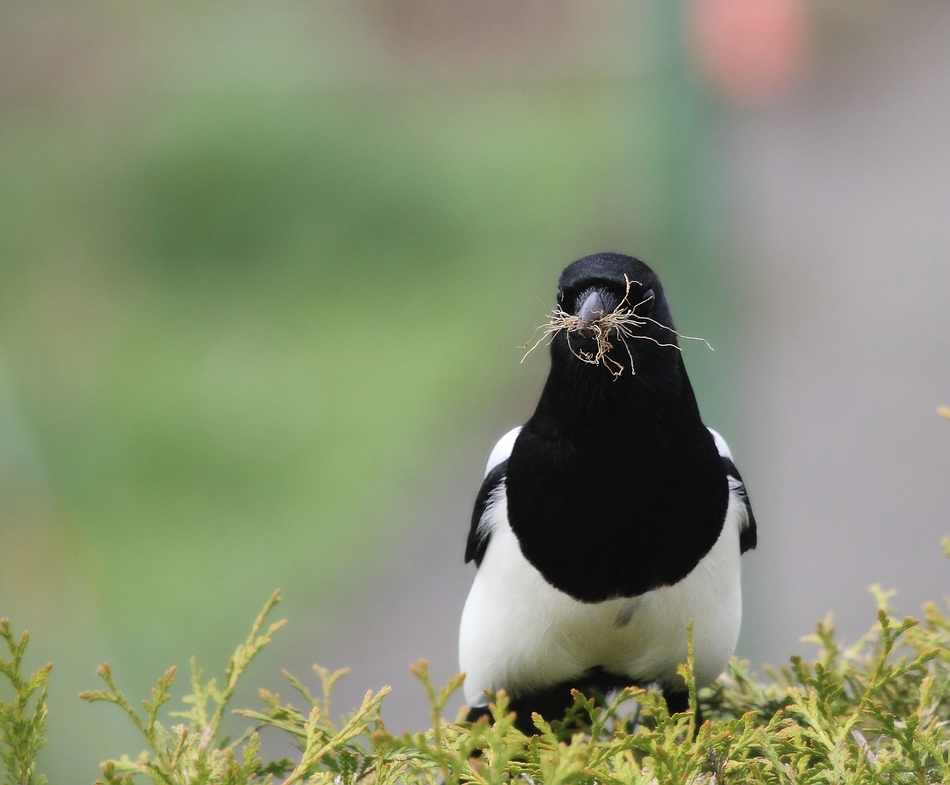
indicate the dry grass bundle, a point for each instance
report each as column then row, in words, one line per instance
column 620, row 325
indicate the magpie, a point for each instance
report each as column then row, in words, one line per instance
column 610, row 520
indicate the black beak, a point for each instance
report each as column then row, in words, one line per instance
column 591, row 308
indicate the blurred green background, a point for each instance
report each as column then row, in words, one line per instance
column 262, row 272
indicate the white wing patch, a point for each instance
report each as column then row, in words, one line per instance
column 487, row 521
column 721, row 446
column 502, row 450
column 737, row 489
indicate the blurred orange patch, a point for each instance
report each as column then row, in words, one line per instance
column 749, row 50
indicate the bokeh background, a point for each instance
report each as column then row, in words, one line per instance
column 266, row 273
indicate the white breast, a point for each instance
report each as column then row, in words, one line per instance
column 520, row 633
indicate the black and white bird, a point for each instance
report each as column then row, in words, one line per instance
column 610, row 520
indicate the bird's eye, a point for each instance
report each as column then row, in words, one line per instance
column 560, row 295
column 648, row 299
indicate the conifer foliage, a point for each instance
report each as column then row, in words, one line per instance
column 876, row 712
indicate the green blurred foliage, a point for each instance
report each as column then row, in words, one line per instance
column 246, row 326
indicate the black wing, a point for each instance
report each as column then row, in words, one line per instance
column 748, row 536
column 478, row 535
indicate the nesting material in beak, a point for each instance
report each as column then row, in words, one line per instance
column 593, row 321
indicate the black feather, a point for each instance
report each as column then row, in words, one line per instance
column 478, row 535
column 748, row 537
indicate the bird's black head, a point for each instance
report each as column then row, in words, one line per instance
column 612, row 312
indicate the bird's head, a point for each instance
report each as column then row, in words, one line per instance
column 611, row 311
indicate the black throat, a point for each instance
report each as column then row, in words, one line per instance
column 614, row 486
